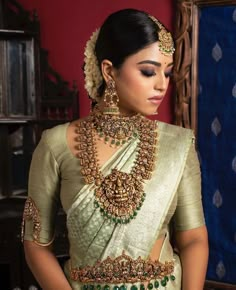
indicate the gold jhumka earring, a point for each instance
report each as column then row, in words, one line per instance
column 111, row 125
column 111, row 99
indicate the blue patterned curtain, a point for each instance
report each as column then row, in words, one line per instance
column 217, row 136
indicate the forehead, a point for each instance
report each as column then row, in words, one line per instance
column 151, row 52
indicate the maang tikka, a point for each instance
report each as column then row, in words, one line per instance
column 166, row 43
column 111, row 99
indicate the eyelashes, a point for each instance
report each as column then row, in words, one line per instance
column 169, row 74
column 148, row 73
column 151, row 73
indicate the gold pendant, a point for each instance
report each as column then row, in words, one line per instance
column 119, row 196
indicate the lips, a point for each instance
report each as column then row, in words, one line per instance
column 155, row 100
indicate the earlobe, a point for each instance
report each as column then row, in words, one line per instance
column 107, row 70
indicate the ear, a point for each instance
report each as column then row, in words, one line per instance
column 107, row 70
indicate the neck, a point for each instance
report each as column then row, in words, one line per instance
column 123, row 112
column 116, row 128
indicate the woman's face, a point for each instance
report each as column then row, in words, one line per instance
column 142, row 80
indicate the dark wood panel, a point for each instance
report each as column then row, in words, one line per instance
column 56, row 102
column 202, row 3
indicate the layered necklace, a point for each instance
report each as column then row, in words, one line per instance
column 119, row 195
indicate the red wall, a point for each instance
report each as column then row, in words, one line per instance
column 67, row 25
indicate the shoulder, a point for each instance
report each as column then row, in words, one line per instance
column 55, row 138
column 175, row 142
column 55, row 134
column 175, row 132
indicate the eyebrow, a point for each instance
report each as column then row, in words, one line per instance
column 153, row 62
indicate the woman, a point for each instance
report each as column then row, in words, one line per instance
column 124, row 181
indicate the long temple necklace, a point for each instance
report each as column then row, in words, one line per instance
column 119, row 195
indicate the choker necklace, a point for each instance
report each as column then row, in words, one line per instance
column 119, row 195
column 115, row 129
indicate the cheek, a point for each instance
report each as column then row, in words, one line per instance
column 133, row 84
column 126, row 85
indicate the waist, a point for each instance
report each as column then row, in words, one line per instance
column 124, row 270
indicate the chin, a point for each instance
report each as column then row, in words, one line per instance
column 149, row 112
column 144, row 111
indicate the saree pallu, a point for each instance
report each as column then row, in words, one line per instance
column 93, row 237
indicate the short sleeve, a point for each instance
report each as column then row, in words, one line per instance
column 189, row 211
column 43, row 195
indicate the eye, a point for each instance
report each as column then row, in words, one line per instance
column 148, row 72
column 169, row 74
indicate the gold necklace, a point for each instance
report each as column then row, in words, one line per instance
column 115, row 129
column 119, row 195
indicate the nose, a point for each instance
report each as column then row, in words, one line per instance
column 161, row 83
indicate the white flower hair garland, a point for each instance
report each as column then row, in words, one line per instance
column 93, row 77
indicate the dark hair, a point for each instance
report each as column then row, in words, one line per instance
column 122, row 34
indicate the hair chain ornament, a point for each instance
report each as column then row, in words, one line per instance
column 166, row 43
column 119, row 195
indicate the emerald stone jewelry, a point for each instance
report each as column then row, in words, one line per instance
column 111, row 99
column 116, row 130
column 166, row 43
column 119, row 195
column 124, row 269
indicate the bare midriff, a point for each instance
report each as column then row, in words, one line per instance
column 156, row 249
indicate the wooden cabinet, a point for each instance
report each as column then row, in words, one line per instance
column 19, row 93
column 33, row 97
column 14, row 272
column 18, row 75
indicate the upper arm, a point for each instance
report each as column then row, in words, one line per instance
column 189, row 210
column 185, row 238
column 43, row 198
